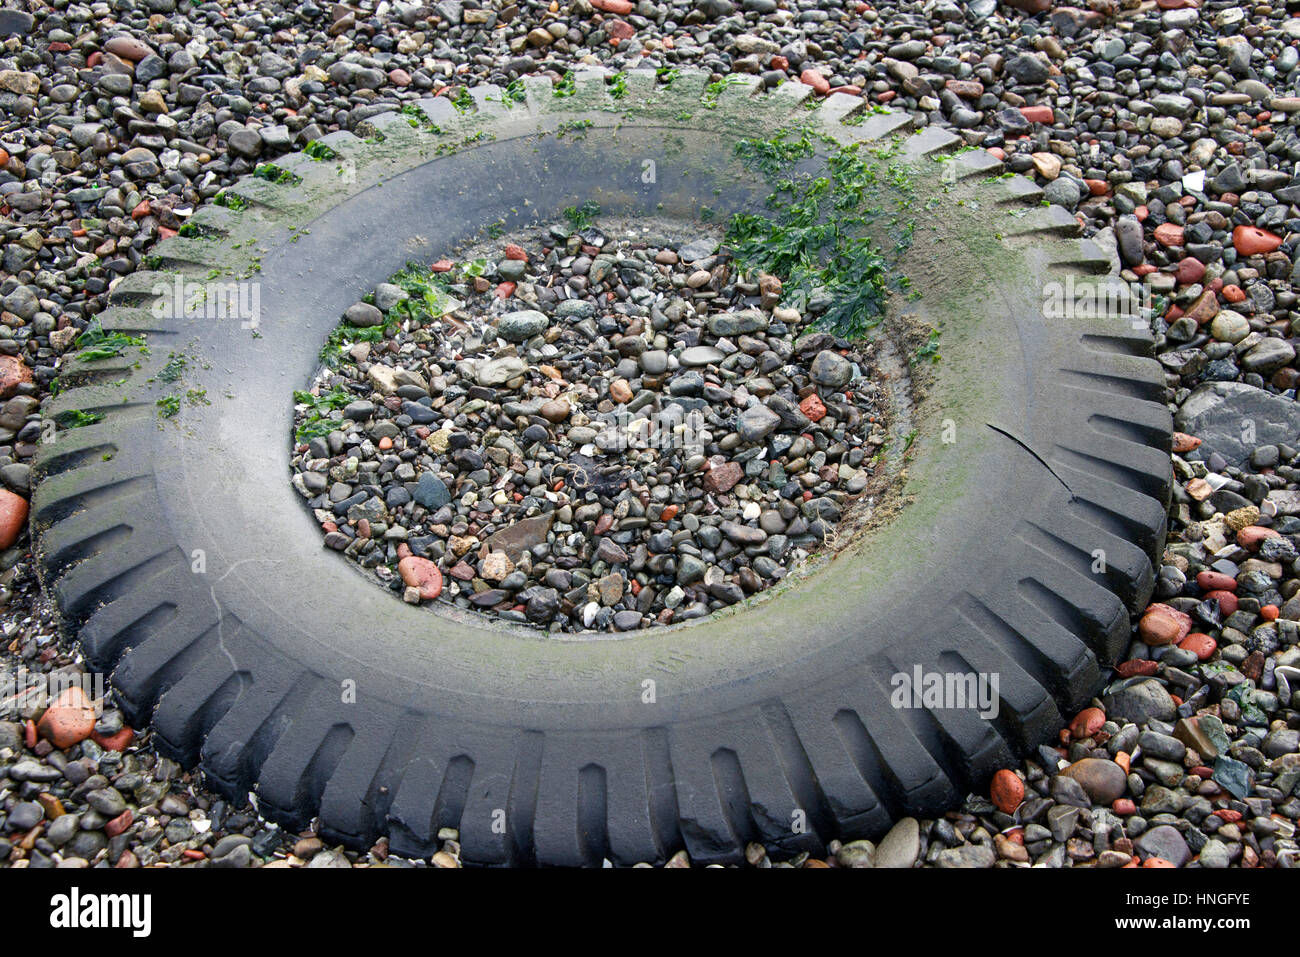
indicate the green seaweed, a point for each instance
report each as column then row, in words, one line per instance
column 815, row 233
column 580, row 217
column 320, row 152
column 96, row 344
column 317, row 421
column 76, row 418
column 276, row 174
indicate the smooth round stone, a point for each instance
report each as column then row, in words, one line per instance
column 831, row 369
column 522, row 325
column 696, row 356
column 554, row 410
column 422, row 574
column 756, row 423
column 362, row 315
column 1104, row 781
column 1229, row 326
column 654, row 361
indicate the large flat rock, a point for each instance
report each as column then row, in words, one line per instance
column 1232, row 419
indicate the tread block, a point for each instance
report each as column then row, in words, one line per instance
column 435, row 785
column 879, row 735
column 976, row 163
column 354, row 804
column 496, row 826
column 1083, row 254
column 1012, row 190
column 929, row 141
column 852, row 798
column 1054, row 220
column 880, row 125
column 1058, row 658
column 317, row 735
column 186, row 711
column 236, row 746
column 834, row 108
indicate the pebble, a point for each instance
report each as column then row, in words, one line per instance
column 69, row 720
column 439, row 458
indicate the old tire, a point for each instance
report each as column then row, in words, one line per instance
column 180, row 556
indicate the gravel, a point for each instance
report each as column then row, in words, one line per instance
column 1169, row 133
column 606, row 468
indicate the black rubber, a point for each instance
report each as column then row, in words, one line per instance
column 183, row 560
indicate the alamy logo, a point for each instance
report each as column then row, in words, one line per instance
column 1105, row 298
column 946, row 690
column 209, row 300
column 22, row 690
column 669, row 429
column 77, row 911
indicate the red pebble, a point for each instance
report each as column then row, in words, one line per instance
column 1190, row 270
column 619, row 30
column 1124, row 806
column 813, row 407
column 821, row 86
column 1136, row 666
column 1253, row 241
column 119, row 824
column 1162, row 624
column 1087, row 723
column 1215, row 581
column 1227, row 600
column 1251, row 536
column 1007, row 791
column 422, row 574
column 1169, row 234
column 114, row 742
column 1202, row 646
